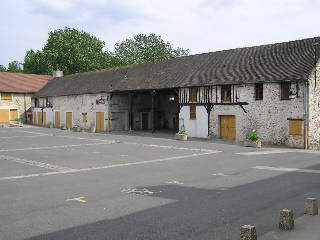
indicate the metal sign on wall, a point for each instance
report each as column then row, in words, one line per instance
column 101, row 100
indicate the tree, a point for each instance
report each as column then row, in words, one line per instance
column 3, row 68
column 15, row 67
column 145, row 48
column 71, row 51
column 35, row 62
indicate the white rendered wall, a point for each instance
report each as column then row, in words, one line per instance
column 197, row 127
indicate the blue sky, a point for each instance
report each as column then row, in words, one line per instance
column 200, row 25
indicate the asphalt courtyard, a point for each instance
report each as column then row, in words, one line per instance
column 58, row 184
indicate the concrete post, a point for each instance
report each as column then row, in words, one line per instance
column 286, row 221
column 248, row 232
column 311, row 207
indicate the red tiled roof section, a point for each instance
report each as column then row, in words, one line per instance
column 22, row 83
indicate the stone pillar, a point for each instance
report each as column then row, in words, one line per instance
column 311, row 207
column 286, row 221
column 248, row 232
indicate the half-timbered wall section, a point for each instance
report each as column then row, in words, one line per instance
column 209, row 95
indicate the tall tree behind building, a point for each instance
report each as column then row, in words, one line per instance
column 69, row 50
column 146, row 48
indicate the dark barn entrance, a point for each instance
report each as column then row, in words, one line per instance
column 153, row 110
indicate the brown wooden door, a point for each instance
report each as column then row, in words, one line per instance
column 13, row 114
column 34, row 118
column 69, row 120
column 39, row 118
column 57, row 119
column 99, row 121
column 4, row 116
column 145, row 120
column 228, row 127
column 44, row 118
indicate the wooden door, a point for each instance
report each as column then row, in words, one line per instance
column 34, row 118
column 39, row 118
column 99, row 121
column 69, row 120
column 57, row 119
column 44, row 118
column 145, row 120
column 4, row 116
column 228, row 127
column 13, row 114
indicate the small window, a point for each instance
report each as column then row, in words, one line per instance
column 285, row 90
column 226, row 93
column 295, row 127
column 193, row 112
column 193, row 94
column 36, row 102
column 259, row 91
column 84, row 117
column 6, row 96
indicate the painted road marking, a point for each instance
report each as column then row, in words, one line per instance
column 218, row 174
column 175, row 182
column 132, row 143
column 78, row 199
column 53, row 147
column 108, row 166
column 284, row 169
column 139, row 191
column 33, row 132
column 267, row 152
column 35, row 163
column 23, row 136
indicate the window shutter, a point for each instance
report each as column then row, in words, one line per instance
column 295, row 127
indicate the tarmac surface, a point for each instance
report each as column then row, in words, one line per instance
column 58, row 184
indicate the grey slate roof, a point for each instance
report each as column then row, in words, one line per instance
column 292, row 60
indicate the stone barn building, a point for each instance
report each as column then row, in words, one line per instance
column 16, row 91
column 226, row 94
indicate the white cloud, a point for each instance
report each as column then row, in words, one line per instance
column 200, row 25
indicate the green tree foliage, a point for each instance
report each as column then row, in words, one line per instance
column 145, row 48
column 3, row 68
column 72, row 51
column 35, row 62
column 69, row 50
column 15, row 67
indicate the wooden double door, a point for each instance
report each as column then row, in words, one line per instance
column 228, row 128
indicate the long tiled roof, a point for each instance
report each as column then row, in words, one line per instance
column 22, row 83
column 292, row 60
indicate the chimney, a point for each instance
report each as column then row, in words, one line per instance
column 57, row 73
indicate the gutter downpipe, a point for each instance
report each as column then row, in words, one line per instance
column 306, row 115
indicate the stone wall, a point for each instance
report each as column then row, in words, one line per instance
column 268, row 116
column 78, row 104
column 19, row 102
column 314, row 111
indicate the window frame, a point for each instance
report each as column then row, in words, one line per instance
column 258, row 91
column 285, row 88
column 6, row 96
column 193, row 112
column 226, row 93
column 193, row 94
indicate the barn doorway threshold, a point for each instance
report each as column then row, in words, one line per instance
column 163, row 133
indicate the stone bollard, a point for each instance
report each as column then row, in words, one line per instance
column 248, row 232
column 286, row 221
column 311, row 207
